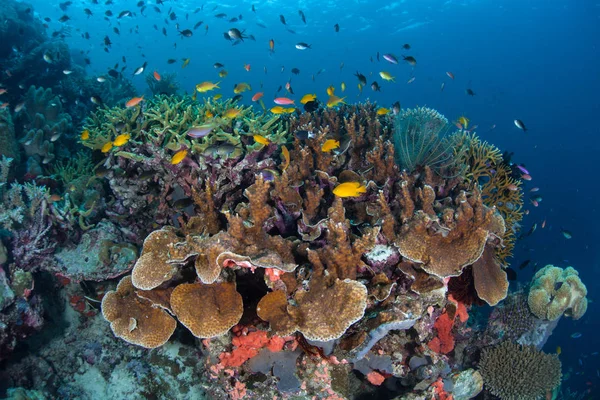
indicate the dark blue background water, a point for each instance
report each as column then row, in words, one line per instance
column 537, row 61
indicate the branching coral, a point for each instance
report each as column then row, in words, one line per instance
column 167, row 85
column 555, row 291
column 514, row 372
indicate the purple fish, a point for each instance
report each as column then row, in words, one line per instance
column 198, row 132
column 523, row 170
column 390, row 58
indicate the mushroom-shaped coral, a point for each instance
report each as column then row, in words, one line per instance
column 555, row 291
column 325, row 312
column 152, row 269
column 514, row 372
column 134, row 319
column 445, row 246
column 207, row 310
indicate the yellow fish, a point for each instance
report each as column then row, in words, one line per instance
column 343, row 86
column 286, row 157
column 232, row 113
column 387, row 76
column 278, row 110
column 558, row 350
column 261, row 139
column 349, row 189
column 383, row 111
column 308, row 97
column 334, row 101
column 241, row 88
column 85, row 135
column 186, row 61
column 179, row 156
column 207, row 86
column 289, row 110
column 208, row 114
column 222, row 73
column 330, row 90
column 121, row 140
column 360, row 86
column 329, row 145
column 217, row 96
column 464, row 121
column 106, row 148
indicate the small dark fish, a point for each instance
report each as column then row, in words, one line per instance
column 171, row 61
column 164, row 31
column 236, row 34
column 567, row 234
column 221, row 15
column 198, row 24
column 410, row 59
column 302, row 16
column 311, row 106
column 396, row 108
column 406, row 46
column 65, row 5
column 140, row 3
column 64, row 18
column 234, row 19
column 237, row 97
column 295, row 71
column 303, row 46
column 157, row 9
column 361, row 78
column 378, row 56
column 282, row 19
column 116, row 30
column 336, row 27
column 186, row 33
column 576, row 335
column 253, row 8
column 107, row 41
column 375, row 86
column 470, row 92
column 173, row 16
column 108, row 13
column 511, row 274
column 529, row 232
column 520, row 125
column 113, row 73
column 96, row 100
column 303, row 135
column 88, row 12
column 183, row 203
column 291, row 31
column 123, row 14
column 279, row 89
column 524, row 264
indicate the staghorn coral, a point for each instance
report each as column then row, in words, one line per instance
column 555, row 292
column 134, row 319
column 514, row 372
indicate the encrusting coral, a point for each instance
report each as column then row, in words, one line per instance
column 514, row 372
column 555, row 292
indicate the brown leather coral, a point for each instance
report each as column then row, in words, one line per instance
column 207, row 310
column 325, row 312
column 152, row 268
column 134, row 319
column 491, row 282
column 447, row 244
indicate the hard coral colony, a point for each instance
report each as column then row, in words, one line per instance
column 265, row 254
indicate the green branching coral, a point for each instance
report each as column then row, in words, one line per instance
column 167, row 85
column 79, row 166
column 514, row 372
column 420, row 140
column 164, row 121
column 555, row 291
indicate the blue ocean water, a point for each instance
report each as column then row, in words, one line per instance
column 537, row 61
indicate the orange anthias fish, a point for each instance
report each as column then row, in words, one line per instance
column 247, row 67
column 157, row 76
column 283, row 101
column 134, row 102
column 272, row 46
column 257, row 96
column 329, row 145
column 349, row 189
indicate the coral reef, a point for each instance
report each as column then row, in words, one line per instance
column 514, row 372
column 167, row 85
column 555, row 292
column 9, row 147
